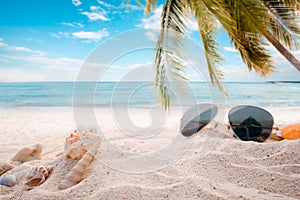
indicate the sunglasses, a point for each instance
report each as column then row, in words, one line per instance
column 249, row 123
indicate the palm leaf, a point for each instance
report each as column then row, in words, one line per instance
column 168, row 57
column 286, row 21
column 208, row 27
column 149, row 5
column 246, row 35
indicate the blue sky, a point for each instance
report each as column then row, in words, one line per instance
column 49, row 40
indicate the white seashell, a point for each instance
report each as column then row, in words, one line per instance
column 28, row 153
column 8, row 180
column 74, row 148
column 76, row 173
column 36, row 176
column 5, row 166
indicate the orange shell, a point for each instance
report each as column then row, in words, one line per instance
column 73, row 138
column 74, row 147
column 291, row 132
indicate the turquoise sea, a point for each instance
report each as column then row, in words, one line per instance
column 137, row 94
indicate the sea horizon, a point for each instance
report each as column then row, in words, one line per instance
column 140, row 94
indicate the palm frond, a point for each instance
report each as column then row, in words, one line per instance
column 286, row 22
column 237, row 18
column 168, row 57
column 250, row 19
column 284, row 35
column 149, row 5
column 247, row 14
column 208, row 28
column 256, row 13
column 282, row 6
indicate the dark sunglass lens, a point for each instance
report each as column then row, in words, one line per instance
column 251, row 123
column 197, row 117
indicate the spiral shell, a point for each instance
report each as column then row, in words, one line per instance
column 5, row 166
column 8, row 180
column 77, row 172
column 36, row 176
column 74, row 148
column 28, row 153
column 291, row 132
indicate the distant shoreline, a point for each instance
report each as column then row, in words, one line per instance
column 77, row 82
column 283, row 81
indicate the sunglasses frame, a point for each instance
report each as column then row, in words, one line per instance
column 229, row 125
column 205, row 127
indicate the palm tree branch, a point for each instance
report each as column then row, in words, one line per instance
column 168, row 59
column 149, row 5
column 286, row 21
column 246, row 37
column 250, row 46
column 284, row 35
column 207, row 29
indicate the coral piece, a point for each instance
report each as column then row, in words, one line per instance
column 8, row 180
column 5, row 166
column 291, row 132
column 28, row 153
column 36, row 176
column 74, row 148
column 76, row 173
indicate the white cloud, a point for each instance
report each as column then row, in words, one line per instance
column 60, row 35
column 17, row 75
column 55, row 35
column 45, row 69
column 10, row 74
column 132, row 7
column 18, row 48
column 96, row 13
column 95, row 16
column 67, row 24
column 2, row 44
column 107, row 5
column 25, row 49
column 95, row 8
column 230, row 49
column 49, row 69
column 280, row 62
column 193, row 25
column 89, row 36
column 35, row 66
column 74, row 24
column 151, row 36
column 56, row 62
column 122, row 5
column 95, row 36
column 154, row 20
column 76, row 2
column 236, row 70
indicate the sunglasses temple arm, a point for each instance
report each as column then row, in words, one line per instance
column 274, row 136
column 214, row 122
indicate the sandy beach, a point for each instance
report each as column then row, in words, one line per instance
column 84, row 85
column 228, row 169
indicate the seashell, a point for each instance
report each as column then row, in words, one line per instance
column 5, row 166
column 8, row 180
column 28, row 153
column 76, row 173
column 291, row 132
column 74, row 148
column 36, row 176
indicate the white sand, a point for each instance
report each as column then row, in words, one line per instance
column 213, row 165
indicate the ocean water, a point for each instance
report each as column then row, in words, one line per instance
column 137, row 94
